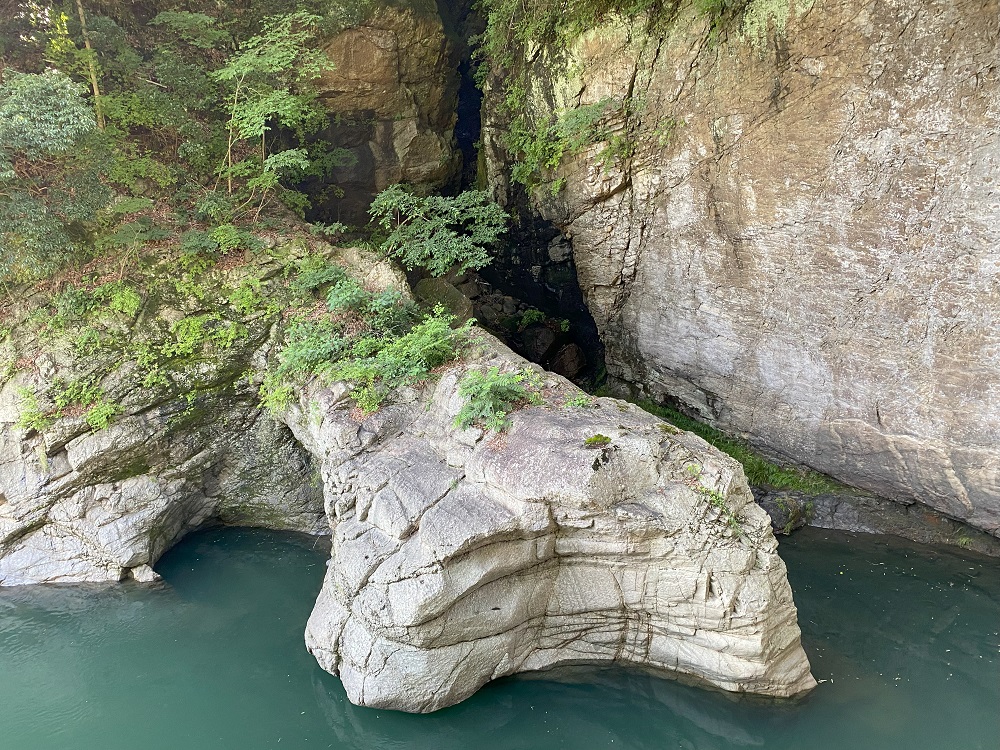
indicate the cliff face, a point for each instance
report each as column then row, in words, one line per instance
column 799, row 241
column 392, row 96
column 458, row 556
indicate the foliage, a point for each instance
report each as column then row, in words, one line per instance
column 100, row 415
column 583, row 401
column 759, row 471
column 438, row 233
column 376, row 341
column 31, row 416
column 378, row 365
column 49, row 189
column 119, row 297
column 597, row 441
column 42, row 114
column 269, row 79
column 83, row 392
column 490, row 397
column 529, row 318
column 313, row 272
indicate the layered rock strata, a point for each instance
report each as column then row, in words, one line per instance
column 584, row 533
column 78, row 505
column 461, row 556
column 797, row 239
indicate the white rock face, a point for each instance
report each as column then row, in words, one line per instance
column 460, row 557
column 802, row 244
column 80, row 506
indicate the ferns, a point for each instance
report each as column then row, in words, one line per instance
column 490, row 397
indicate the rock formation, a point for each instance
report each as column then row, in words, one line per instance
column 392, row 96
column 460, row 557
column 799, row 243
column 78, row 505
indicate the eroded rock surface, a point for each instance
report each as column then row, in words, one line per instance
column 799, row 243
column 392, row 95
column 78, row 505
column 460, row 557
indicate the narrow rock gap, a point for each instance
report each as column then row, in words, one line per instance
column 534, row 268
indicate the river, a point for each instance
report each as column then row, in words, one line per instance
column 903, row 638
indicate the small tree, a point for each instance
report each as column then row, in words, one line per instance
column 49, row 187
column 270, row 77
column 438, row 232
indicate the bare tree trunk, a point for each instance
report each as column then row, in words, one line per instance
column 92, row 64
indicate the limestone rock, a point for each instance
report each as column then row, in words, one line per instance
column 104, row 506
column 460, row 557
column 802, row 245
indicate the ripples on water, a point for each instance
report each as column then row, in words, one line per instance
column 906, row 638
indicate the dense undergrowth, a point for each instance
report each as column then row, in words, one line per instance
column 124, row 124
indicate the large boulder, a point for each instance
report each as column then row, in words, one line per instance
column 461, row 556
column 796, row 239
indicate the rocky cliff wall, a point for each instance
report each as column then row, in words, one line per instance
column 392, row 96
column 797, row 239
column 459, row 556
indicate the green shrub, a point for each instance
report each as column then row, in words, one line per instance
column 84, row 392
column 315, row 271
column 490, row 397
column 101, row 414
column 230, row 238
column 30, row 415
column 379, row 365
column 309, row 344
column 438, row 233
column 119, row 297
column 196, row 242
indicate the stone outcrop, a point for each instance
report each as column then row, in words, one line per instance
column 392, row 96
column 799, row 242
column 460, row 557
column 78, row 505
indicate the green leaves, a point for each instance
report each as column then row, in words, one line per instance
column 437, row 232
column 49, row 188
column 490, row 397
column 196, row 29
column 42, row 114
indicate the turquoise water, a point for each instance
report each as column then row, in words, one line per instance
column 906, row 637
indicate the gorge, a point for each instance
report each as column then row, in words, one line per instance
column 774, row 224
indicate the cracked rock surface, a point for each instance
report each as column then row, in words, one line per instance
column 83, row 506
column 800, row 244
column 461, row 556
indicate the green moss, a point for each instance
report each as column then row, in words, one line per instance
column 759, row 470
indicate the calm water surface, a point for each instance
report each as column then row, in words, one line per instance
column 905, row 637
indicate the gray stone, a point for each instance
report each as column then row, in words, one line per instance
column 802, row 246
column 458, row 561
column 569, row 361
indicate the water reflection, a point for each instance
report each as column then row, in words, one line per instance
column 906, row 639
